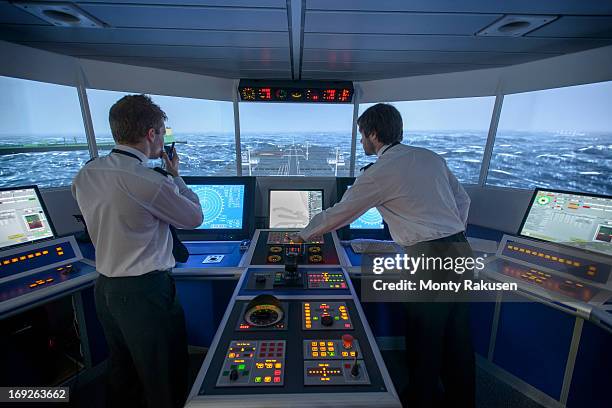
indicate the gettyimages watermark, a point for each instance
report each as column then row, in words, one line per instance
column 433, row 273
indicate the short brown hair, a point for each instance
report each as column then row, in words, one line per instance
column 385, row 120
column 132, row 116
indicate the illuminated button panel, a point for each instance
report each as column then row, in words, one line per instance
column 243, row 366
column 330, row 372
column 282, row 238
column 556, row 260
column 37, row 258
column 326, row 280
column 326, row 349
column 553, row 283
column 325, row 316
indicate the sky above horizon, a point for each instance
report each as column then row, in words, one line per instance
column 35, row 108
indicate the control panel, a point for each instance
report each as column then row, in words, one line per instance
column 333, row 372
column 275, row 247
column 321, row 279
column 325, row 316
column 332, row 349
column 253, row 363
column 293, row 329
column 326, row 280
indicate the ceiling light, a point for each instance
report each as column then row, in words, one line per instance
column 61, row 14
column 514, row 25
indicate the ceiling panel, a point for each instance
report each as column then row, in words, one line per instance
column 218, row 3
column 151, row 16
column 448, row 43
column 144, row 36
column 202, row 68
column 441, row 57
column 12, row 14
column 580, row 27
column 397, row 23
column 115, row 50
column 584, row 7
column 387, row 66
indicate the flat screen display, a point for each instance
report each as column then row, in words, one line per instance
column 575, row 219
column 222, row 205
column 294, row 208
column 23, row 217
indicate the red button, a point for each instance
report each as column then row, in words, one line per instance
column 277, row 372
column 277, row 379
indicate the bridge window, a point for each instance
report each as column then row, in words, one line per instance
column 202, row 129
column 456, row 129
column 294, row 139
column 556, row 138
column 42, row 138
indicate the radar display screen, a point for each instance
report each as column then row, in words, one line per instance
column 23, row 217
column 222, row 205
column 371, row 219
column 574, row 219
column 294, row 208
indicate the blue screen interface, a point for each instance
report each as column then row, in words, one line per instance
column 222, row 205
column 371, row 219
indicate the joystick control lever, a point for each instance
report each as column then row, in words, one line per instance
column 355, row 370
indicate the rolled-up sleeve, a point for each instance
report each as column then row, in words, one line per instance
column 358, row 199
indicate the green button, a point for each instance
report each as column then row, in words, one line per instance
column 257, row 379
column 241, row 367
column 337, row 317
column 315, row 318
column 332, row 353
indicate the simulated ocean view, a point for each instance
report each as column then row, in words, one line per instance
column 571, row 161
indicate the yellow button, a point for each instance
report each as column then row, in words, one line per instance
column 45, row 252
column 277, row 365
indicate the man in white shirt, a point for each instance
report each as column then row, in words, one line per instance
column 128, row 209
column 426, row 209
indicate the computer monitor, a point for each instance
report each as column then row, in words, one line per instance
column 368, row 225
column 227, row 205
column 23, row 217
column 293, row 208
column 580, row 220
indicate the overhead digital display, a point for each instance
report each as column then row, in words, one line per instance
column 295, row 91
column 222, row 205
column 23, row 217
column 576, row 219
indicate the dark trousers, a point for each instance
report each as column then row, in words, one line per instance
column 438, row 339
column 144, row 326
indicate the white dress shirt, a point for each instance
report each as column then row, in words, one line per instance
column 414, row 190
column 127, row 208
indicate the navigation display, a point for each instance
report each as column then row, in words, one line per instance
column 23, row 217
column 222, row 205
column 294, row 208
column 575, row 219
column 371, row 219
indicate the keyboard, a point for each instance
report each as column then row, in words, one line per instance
column 363, row 246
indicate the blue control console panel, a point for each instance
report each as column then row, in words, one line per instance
column 33, row 273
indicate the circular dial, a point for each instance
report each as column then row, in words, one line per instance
column 264, row 311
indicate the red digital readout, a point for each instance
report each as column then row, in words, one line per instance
column 329, row 94
column 345, row 95
column 264, row 94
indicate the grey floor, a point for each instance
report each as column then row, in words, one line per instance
column 490, row 391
